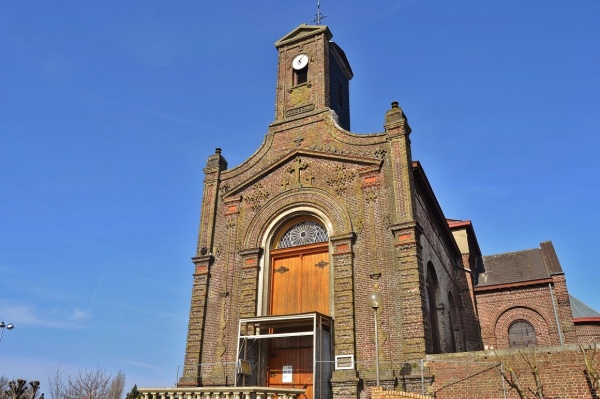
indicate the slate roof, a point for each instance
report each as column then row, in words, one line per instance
column 581, row 310
column 513, row 267
column 521, row 266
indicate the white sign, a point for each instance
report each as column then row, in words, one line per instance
column 286, row 375
column 344, row 362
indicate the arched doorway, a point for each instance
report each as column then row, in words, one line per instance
column 300, row 269
column 299, row 282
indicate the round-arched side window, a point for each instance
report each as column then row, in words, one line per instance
column 303, row 233
column 521, row 334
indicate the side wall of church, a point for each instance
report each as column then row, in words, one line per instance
column 436, row 251
column 469, row 306
column 470, row 255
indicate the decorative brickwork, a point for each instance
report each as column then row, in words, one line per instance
column 343, row 284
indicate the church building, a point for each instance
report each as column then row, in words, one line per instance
column 323, row 236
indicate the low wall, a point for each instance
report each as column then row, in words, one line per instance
column 477, row 375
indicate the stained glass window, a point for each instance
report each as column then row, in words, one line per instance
column 306, row 232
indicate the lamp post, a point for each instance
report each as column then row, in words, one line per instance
column 8, row 326
column 375, row 301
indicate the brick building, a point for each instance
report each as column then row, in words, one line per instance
column 523, row 300
column 293, row 241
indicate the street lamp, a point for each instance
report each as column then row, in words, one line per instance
column 375, row 300
column 8, row 326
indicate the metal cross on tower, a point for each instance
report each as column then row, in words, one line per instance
column 319, row 17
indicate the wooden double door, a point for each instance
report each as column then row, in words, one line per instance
column 300, row 283
column 300, row 280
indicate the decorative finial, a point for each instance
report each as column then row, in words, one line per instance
column 319, row 17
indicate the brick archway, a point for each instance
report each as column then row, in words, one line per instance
column 506, row 319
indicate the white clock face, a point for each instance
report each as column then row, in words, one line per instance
column 300, row 61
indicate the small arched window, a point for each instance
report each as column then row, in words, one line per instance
column 303, row 233
column 521, row 334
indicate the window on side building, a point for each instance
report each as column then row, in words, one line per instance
column 521, row 334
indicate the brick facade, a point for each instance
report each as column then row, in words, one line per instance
column 587, row 330
column 387, row 233
column 384, row 223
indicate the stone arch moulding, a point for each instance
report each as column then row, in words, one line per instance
column 319, row 203
column 509, row 316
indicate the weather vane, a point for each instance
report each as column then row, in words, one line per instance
column 319, row 17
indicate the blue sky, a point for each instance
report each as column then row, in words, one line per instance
column 109, row 110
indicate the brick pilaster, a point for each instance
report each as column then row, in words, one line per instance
column 195, row 337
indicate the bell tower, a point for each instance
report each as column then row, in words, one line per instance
column 313, row 75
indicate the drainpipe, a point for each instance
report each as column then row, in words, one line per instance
column 560, row 335
column 422, row 379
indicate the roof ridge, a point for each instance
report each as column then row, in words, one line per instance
column 513, row 252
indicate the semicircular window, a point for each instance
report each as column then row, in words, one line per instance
column 303, row 233
column 521, row 334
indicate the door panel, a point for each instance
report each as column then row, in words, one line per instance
column 315, row 283
column 300, row 281
column 286, row 278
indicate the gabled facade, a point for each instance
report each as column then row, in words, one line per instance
column 294, row 240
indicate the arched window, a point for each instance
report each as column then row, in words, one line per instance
column 521, row 334
column 432, row 299
column 303, row 233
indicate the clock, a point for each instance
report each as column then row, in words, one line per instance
column 300, row 61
